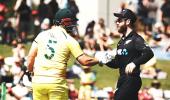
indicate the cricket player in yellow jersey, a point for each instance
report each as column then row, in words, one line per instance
column 49, row 54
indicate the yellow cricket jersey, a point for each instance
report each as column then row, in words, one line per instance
column 54, row 49
column 87, row 77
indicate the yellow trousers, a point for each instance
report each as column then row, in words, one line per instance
column 49, row 91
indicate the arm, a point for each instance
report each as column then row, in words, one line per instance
column 146, row 52
column 104, row 58
column 31, row 56
column 86, row 60
column 77, row 52
column 113, row 63
column 146, row 55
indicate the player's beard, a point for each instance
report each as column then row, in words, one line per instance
column 122, row 29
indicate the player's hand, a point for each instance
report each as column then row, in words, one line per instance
column 104, row 58
column 129, row 68
column 29, row 75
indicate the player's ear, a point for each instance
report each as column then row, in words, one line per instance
column 128, row 21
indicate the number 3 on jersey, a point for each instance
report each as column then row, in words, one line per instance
column 50, row 49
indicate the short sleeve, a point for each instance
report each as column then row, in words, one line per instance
column 37, row 39
column 74, row 47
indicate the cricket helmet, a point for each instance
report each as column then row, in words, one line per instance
column 66, row 18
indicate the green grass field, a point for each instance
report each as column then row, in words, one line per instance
column 105, row 76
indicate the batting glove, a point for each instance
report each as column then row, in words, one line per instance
column 104, row 58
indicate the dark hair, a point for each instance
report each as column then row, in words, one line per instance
column 132, row 24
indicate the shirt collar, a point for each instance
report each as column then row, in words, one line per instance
column 130, row 34
column 56, row 28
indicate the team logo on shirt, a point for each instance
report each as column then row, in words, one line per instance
column 128, row 41
column 122, row 52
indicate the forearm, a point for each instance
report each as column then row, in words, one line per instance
column 91, row 62
column 112, row 64
column 86, row 60
column 30, row 63
column 31, row 56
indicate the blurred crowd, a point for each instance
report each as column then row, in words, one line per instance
column 23, row 19
column 23, row 22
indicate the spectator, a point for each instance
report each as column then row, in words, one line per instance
column 3, row 10
column 36, row 22
column 54, row 7
column 14, row 43
column 73, row 92
column 90, row 27
column 165, row 15
column 24, row 15
column 71, row 4
column 156, row 38
column 19, row 52
column 74, row 71
column 102, row 35
column 87, row 81
column 144, row 94
column 8, row 33
column 148, row 70
column 5, row 75
column 132, row 5
column 43, row 11
column 155, row 90
column 45, row 25
column 152, row 14
column 143, row 14
column 20, row 92
column 16, row 70
column 90, row 44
